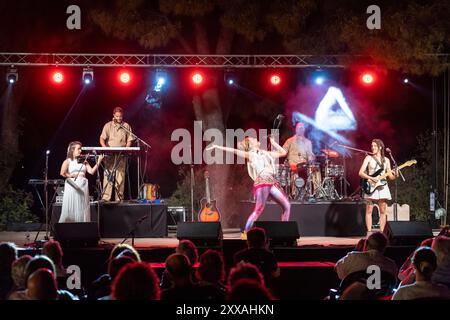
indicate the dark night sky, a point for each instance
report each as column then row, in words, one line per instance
column 390, row 110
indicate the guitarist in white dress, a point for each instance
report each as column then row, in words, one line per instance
column 373, row 163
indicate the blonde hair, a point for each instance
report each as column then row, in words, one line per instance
column 71, row 148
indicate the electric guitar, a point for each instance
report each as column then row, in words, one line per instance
column 208, row 211
column 369, row 186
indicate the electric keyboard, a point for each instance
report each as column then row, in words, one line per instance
column 109, row 150
column 34, row 182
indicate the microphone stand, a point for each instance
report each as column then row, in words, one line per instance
column 356, row 150
column 46, row 193
column 139, row 140
column 394, row 164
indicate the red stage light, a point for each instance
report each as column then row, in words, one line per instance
column 58, row 77
column 275, row 79
column 367, row 78
column 197, row 78
column 124, row 77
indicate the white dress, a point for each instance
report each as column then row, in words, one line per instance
column 380, row 192
column 75, row 207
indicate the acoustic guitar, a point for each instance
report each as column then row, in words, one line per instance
column 208, row 211
column 369, row 186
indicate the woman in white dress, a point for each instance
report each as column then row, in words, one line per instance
column 261, row 168
column 75, row 206
column 372, row 163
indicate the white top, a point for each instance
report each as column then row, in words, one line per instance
column 422, row 289
column 260, row 162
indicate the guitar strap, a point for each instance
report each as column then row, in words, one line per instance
column 380, row 164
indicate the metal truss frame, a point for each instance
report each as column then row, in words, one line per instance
column 179, row 61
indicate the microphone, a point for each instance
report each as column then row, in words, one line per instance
column 388, row 150
column 280, row 117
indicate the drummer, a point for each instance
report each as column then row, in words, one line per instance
column 299, row 148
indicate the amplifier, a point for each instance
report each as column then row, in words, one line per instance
column 176, row 214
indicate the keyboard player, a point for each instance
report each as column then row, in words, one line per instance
column 114, row 135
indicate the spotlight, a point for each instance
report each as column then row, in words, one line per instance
column 319, row 80
column 124, row 77
column 160, row 80
column 12, row 76
column 197, row 78
column 88, row 75
column 230, row 78
column 368, row 78
column 406, row 81
column 58, row 77
column 275, row 79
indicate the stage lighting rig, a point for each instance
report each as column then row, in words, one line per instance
column 88, row 75
column 12, row 76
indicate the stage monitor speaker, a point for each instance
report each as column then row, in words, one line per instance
column 77, row 234
column 407, row 232
column 202, row 234
column 280, row 233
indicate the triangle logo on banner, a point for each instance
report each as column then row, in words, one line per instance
column 333, row 112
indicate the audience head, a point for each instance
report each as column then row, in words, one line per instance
column 41, row 285
column 136, row 281
column 38, row 262
column 246, row 289
column 376, row 241
column 425, row 262
column 256, row 237
column 244, row 270
column 441, row 247
column 116, row 264
column 189, row 249
column 18, row 271
column 356, row 291
column 178, row 267
column 8, row 254
column 53, row 250
column 211, row 268
column 118, row 249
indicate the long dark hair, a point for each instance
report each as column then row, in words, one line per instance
column 71, row 148
column 380, row 145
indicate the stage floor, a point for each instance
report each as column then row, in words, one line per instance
column 26, row 239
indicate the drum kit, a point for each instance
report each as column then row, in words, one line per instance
column 314, row 180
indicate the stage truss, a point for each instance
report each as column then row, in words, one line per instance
column 180, row 61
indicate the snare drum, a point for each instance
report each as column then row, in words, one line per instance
column 334, row 170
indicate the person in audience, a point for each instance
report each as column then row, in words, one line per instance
column 425, row 263
column 441, row 247
column 115, row 265
column 101, row 287
column 41, row 285
column 18, row 276
column 406, row 272
column 44, row 262
column 246, row 289
column 53, row 250
column 373, row 254
column 8, row 254
column 136, row 281
column 258, row 255
column 244, row 270
column 179, row 272
column 188, row 248
column 211, row 274
column 119, row 248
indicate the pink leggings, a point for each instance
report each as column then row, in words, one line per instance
column 262, row 193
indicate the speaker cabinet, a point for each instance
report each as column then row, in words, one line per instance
column 203, row 234
column 280, row 233
column 77, row 234
column 407, row 232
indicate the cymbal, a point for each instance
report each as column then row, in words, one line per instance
column 330, row 153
